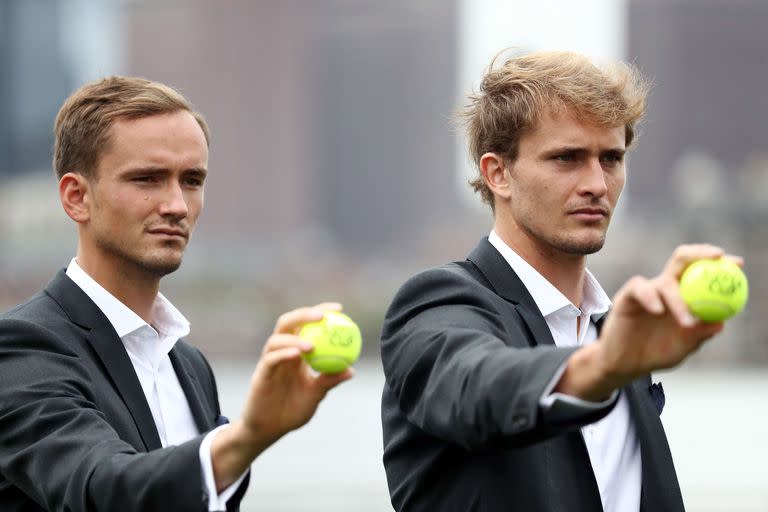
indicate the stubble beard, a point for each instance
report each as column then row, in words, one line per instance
column 565, row 244
column 577, row 247
column 151, row 262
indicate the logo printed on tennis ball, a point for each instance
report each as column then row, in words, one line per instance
column 337, row 342
column 714, row 290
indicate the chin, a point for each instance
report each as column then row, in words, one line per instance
column 161, row 265
column 582, row 247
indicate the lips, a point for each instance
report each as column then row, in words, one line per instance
column 169, row 232
column 591, row 211
column 590, row 214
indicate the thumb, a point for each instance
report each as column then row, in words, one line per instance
column 328, row 381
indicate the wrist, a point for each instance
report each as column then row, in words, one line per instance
column 587, row 376
column 233, row 449
column 247, row 439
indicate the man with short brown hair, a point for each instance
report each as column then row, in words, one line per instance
column 507, row 386
column 102, row 406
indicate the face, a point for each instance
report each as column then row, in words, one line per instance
column 147, row 194
column 564, row 185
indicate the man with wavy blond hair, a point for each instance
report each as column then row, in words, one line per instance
column 508, row 384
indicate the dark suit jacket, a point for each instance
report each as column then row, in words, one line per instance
column 76, row 432
column 467, row 355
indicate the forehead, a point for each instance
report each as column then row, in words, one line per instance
column 568, row 129
column 171, row 128
column 168, row 140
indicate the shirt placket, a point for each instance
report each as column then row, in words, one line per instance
column 153, row 347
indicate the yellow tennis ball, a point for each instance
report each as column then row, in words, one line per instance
column 337, row 342
column 714, row 290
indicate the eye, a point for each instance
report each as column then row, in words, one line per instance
column 565, row 157
column 144, row 179
column 612, row 158
column 193, row 181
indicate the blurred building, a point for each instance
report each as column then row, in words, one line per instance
column 701, row 165
column 707, row 60
column 34, row 80
column 330, row 119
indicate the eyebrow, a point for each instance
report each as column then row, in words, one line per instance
column 137, row 171
column 580, row 149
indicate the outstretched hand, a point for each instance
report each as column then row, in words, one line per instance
column 284, row 391
column 649, row 328
column 284, row 394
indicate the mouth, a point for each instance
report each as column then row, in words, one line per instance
column 169, row 233
column 590, row 214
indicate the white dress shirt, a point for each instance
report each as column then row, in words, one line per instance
column 612, row 443
column 148, row 348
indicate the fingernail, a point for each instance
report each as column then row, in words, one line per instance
column 688, row 320
column 306, row 346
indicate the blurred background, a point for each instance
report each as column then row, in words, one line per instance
column 337, row 172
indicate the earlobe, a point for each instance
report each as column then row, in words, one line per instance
column 75, row 194
column 495, row 174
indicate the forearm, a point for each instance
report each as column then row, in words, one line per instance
column 164, row 479
column 478, row 396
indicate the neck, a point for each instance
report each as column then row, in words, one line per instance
column 131, row 286
column 565, row 271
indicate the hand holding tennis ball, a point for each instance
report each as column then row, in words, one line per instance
column 337, row 342
column 714, row 290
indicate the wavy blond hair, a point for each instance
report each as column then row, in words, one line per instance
column 514, row 94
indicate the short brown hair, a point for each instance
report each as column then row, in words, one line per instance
column 514, row 95
column 83, row 124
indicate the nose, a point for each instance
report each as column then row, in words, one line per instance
column 174, row 204
column 592, row 180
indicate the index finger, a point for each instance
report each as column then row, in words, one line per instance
column 684, row 255
column 328, row 306
column 289, row 322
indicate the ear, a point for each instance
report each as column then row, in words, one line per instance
column 495, row 175
column 75, row 195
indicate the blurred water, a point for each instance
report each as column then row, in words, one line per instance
column 331, row 464
column 716, row 421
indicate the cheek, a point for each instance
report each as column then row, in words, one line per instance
column 194, row 206
column 616, row 185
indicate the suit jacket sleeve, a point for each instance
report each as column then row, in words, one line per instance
column 461, row 364
column 58, row 448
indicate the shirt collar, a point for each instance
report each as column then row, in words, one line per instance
column 548, row 298
column 168, row 321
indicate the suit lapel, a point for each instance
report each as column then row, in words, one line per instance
column 192, row 390
column 111, row 352
column 119, row 367
column 507, row 285
column 660, row 488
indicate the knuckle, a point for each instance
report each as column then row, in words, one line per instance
column 665, row 280
column 301, row 312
